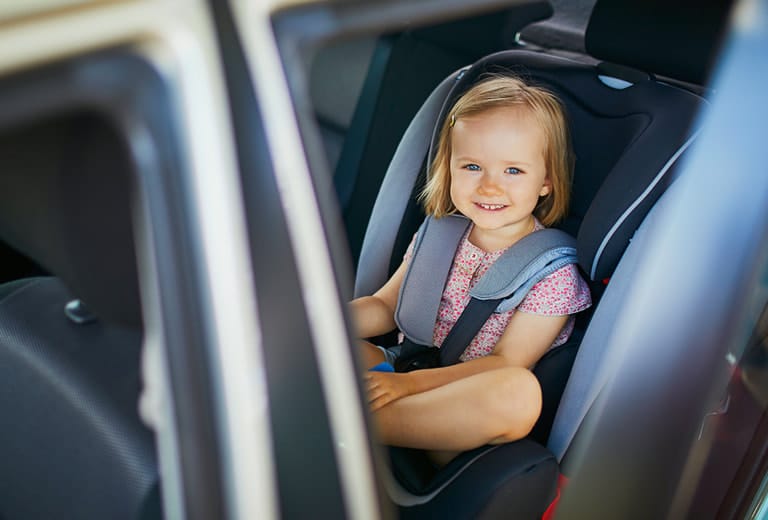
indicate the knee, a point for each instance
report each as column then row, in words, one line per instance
column 517, row 403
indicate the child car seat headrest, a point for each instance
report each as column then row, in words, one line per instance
column 626, row 137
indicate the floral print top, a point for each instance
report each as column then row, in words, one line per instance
column 563, row 292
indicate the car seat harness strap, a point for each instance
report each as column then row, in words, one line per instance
column 502, row 288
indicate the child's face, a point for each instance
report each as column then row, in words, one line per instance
column 498, row 172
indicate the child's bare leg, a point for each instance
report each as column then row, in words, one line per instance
column 488, row 408
column 372, row 355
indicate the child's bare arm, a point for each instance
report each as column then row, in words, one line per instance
column 528, row 337
column 375, row 315
column 525, row 340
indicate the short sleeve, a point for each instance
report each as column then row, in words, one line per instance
column 561, row 293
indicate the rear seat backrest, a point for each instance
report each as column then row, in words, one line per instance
column 72, row 444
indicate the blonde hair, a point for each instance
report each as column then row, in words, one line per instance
column 499, row 91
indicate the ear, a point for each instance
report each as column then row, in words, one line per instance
column 546, row 188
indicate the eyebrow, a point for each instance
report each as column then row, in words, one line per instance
column 463, row 158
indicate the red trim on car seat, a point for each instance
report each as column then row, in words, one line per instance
column 549, row 514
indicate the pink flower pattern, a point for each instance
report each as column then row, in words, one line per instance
column 563, row 292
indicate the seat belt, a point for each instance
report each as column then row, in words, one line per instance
column 472, row 319
column 501, row 288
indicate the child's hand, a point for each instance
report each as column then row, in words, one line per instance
column 385, row 387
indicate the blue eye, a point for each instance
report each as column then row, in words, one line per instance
column 472, row 167
column 513, row 171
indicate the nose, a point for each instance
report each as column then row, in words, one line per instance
column 487, row 185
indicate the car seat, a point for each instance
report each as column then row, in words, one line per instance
column 72, row 443
column 629, row 130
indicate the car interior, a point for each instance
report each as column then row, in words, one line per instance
column 72, row 319
column 631, row 109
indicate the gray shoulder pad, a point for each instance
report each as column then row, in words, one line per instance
column 433, row 252
column 404, row 169
column 532, row 258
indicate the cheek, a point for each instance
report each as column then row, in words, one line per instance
column 453, row 189
column 453, row 182
column 458, row 190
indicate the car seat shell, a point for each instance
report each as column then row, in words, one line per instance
column 627, row 136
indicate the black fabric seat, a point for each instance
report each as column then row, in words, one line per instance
column 72, row 438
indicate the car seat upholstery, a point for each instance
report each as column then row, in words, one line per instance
column 629, row 131
column 72, row 443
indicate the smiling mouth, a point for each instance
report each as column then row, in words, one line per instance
column 490, row 207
